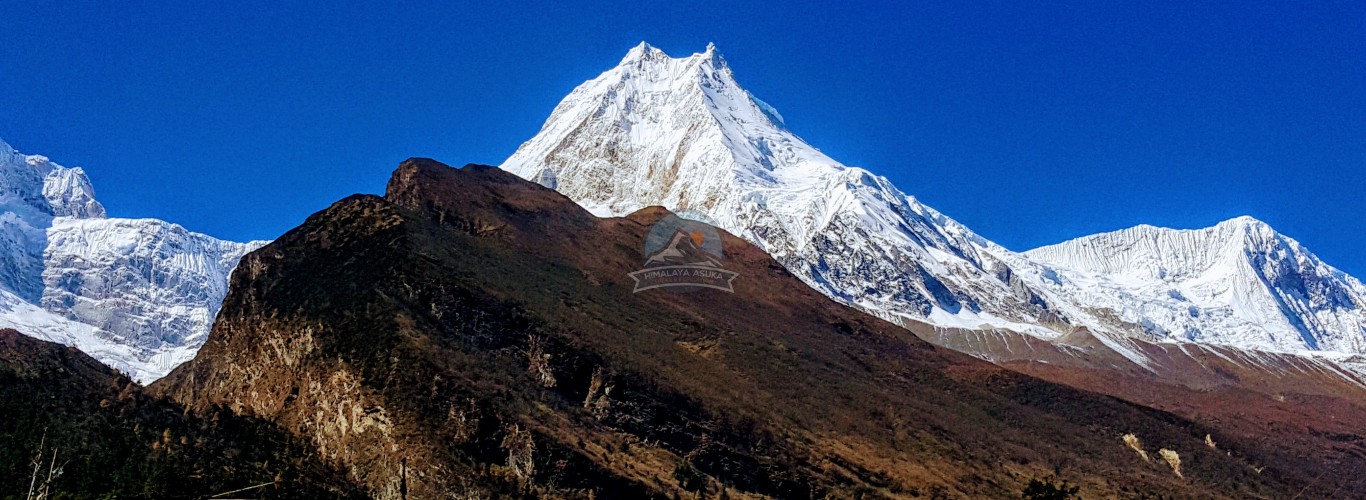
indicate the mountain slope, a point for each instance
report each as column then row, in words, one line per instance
column 153, row 282
column 478, row 334
column 681, row 133
column 110, row 440
column 139, row 294
column 1238, row 283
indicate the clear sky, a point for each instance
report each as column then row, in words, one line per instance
column 1030, row 122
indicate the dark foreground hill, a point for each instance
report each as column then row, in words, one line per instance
column 95, row 434
column 472, row 334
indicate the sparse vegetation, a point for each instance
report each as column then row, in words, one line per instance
column 72, row 428
column 405, row 298
column 689, row 478
column 1133, row 442
column 44, row 472
column 520, row 447
column 1047, row 489
column 1173, row 459
column 599, row 391
column 539, row 360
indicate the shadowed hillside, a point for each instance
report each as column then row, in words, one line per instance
column 477, row 334
column 96, row 435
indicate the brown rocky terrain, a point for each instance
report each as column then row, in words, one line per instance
column 1307, row 413
column 95, row 434
column 473, row 334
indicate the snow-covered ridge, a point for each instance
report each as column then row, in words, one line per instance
column 681, row 133
column 1237, row 283
column 33, row 191
column 1156, row 252
column 137, row 294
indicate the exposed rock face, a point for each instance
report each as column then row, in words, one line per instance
column 138, row 294
column 104, row 438
column 474, row 333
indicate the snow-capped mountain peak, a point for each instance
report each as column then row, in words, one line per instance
column 137, row 294
column 1164, row 253
column 643, row 51
column 66, row 191
column 682, row 133
column 33, row 192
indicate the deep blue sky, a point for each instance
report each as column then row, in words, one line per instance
column 1031, row 124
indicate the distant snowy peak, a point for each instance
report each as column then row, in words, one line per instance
column 34, row 190
column 137, row 294
column 69, row 193
column 1175, row 255
column 1162, row 253
column 680, row 132
column 1238, row 283
column 65, row 192
column 684, row 120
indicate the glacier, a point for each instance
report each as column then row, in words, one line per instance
column 681, row 133
column 137, row 294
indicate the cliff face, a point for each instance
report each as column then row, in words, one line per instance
column 471, row 332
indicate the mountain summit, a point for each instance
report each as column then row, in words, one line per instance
column 682, row 133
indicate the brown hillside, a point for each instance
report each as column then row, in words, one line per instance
column 112, row 441
column 473, row 333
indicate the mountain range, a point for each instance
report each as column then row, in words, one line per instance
column 476, row 332
column 472, row 333
column 140, row 294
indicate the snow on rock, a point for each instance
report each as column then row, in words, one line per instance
column 29, row 319
column 137, row 294
column 33, row 190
